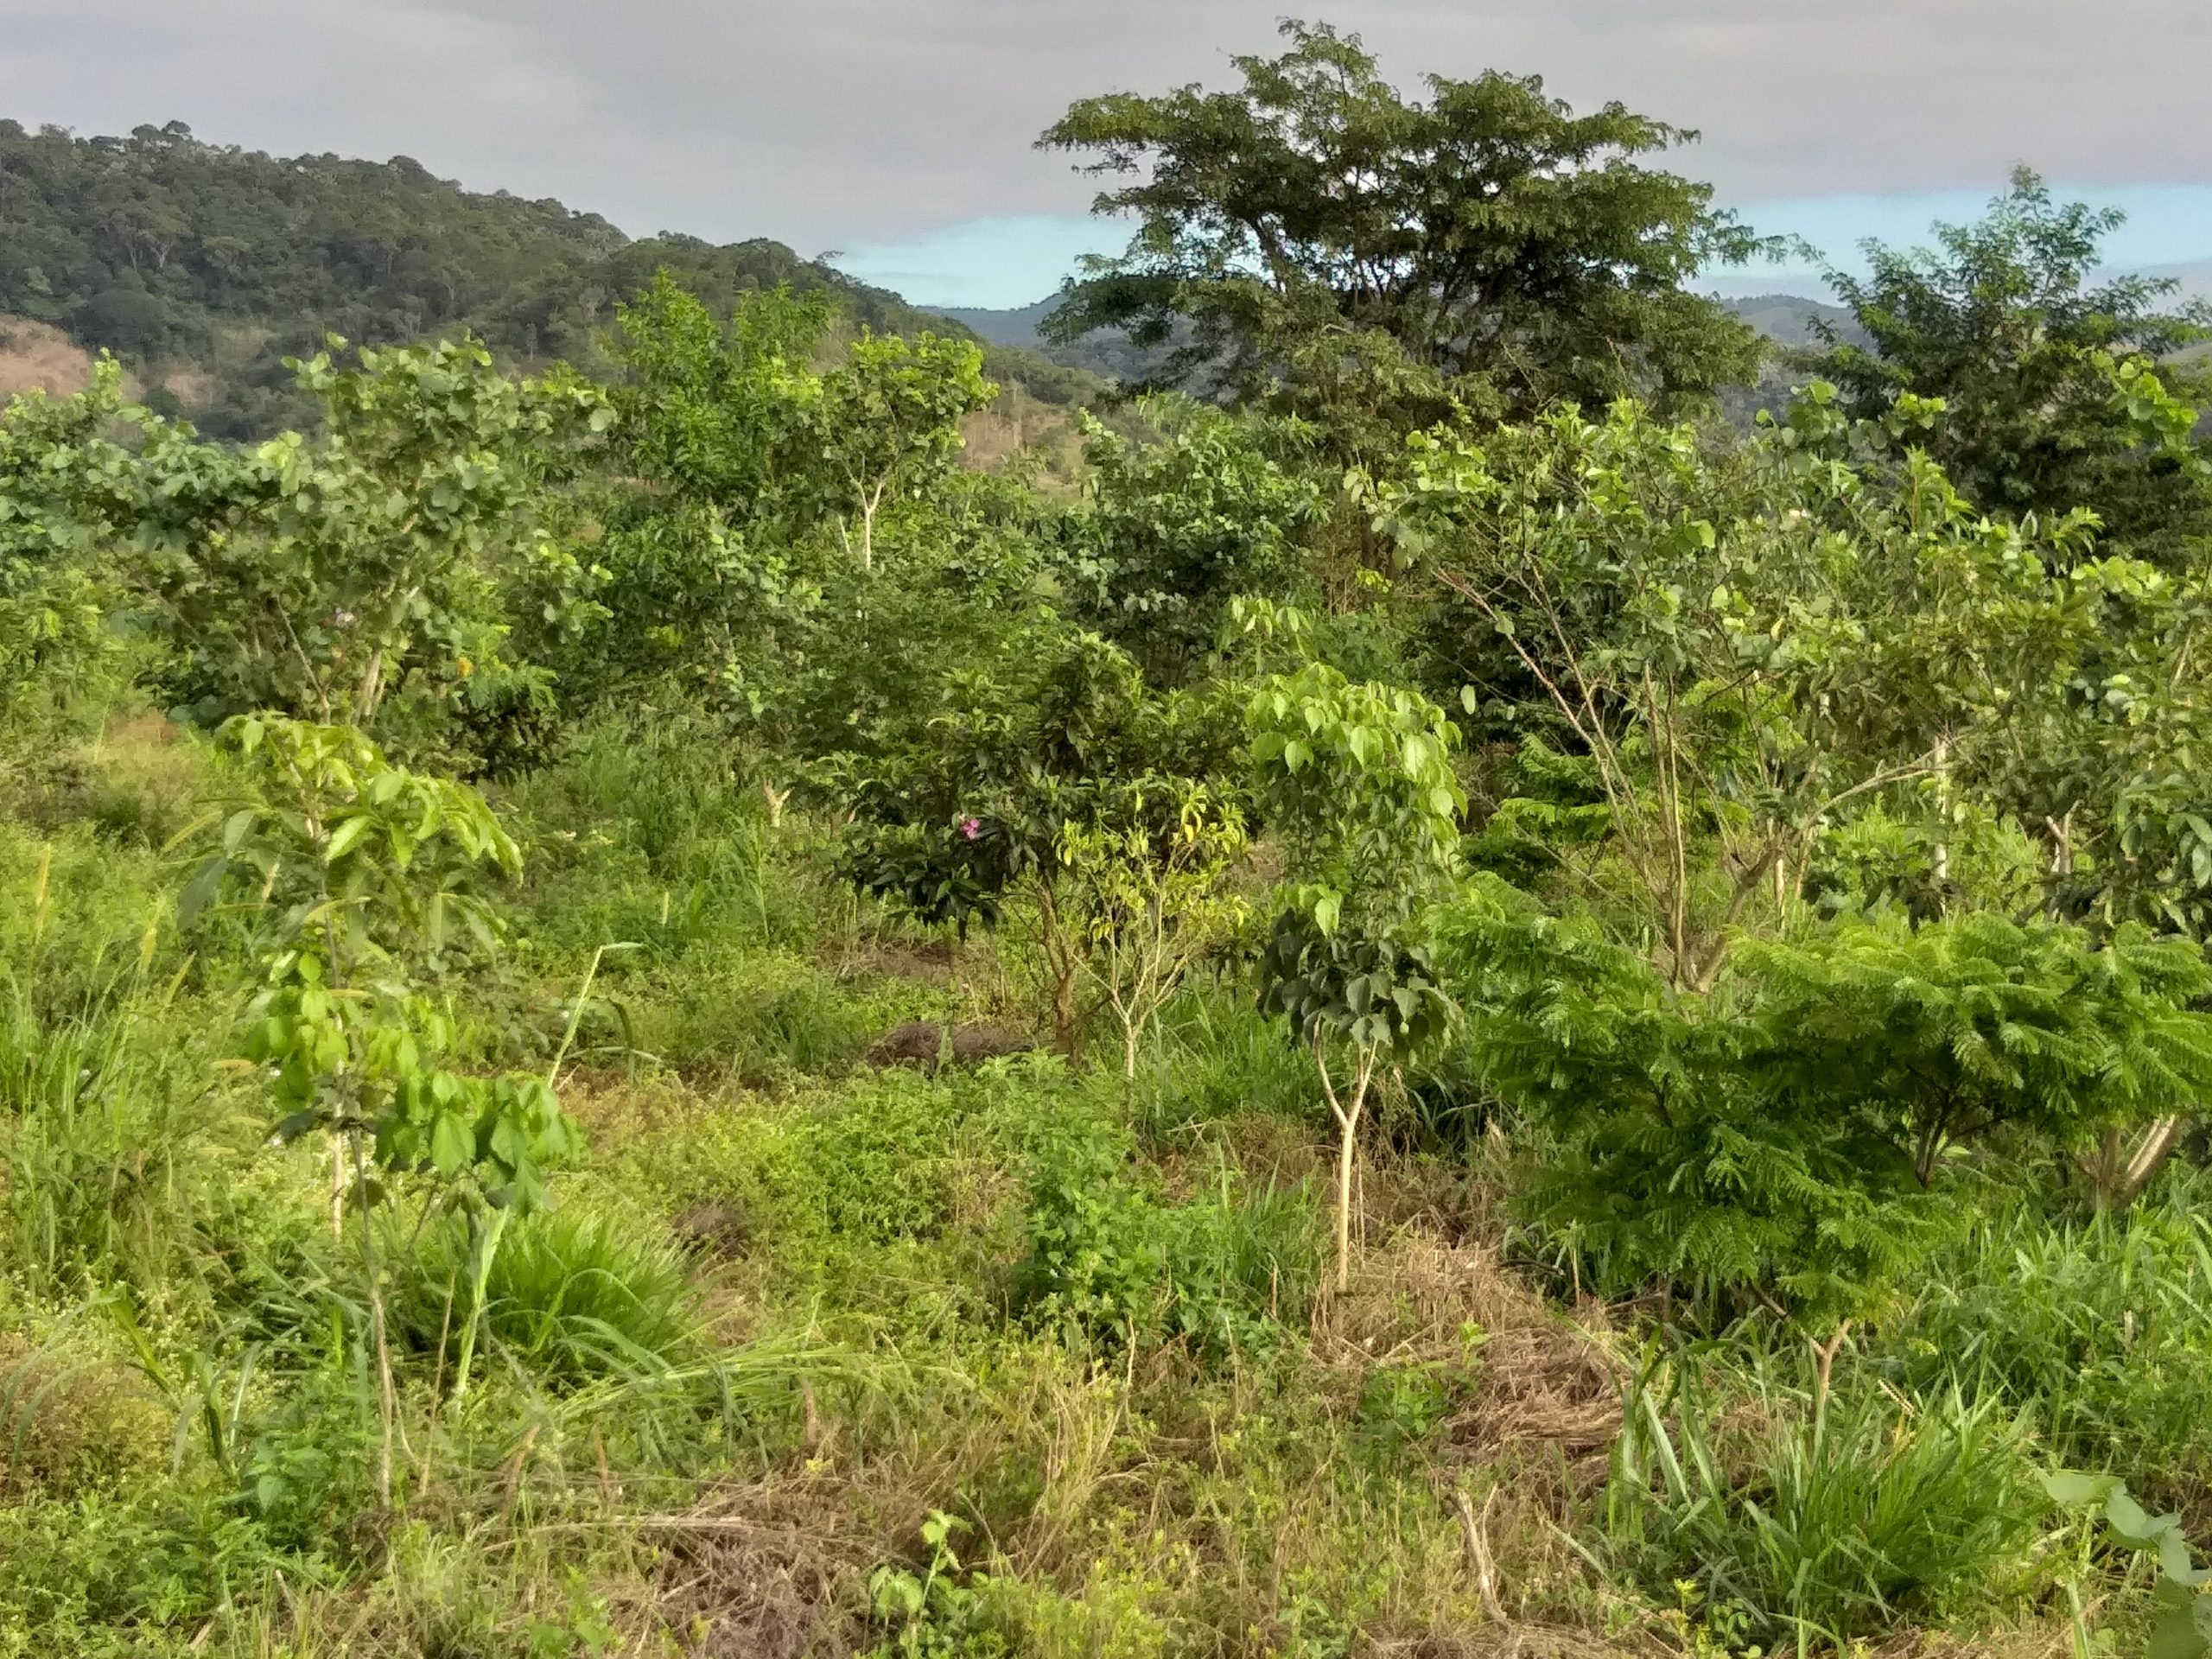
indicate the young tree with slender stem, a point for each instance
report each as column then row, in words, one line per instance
column 1356, row 780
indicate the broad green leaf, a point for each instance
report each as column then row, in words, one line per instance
column 2130, row 1522
column 239, row 826
column 2174, row 1559
column 2175, row 1634
column 2071, row 1489
column 453, row 1146
column 348, row 833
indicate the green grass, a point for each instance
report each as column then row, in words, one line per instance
column 813, row 1303
column 115, row 1134
column 1214, row 1057
column 1817, row 1522
column 2101, row 1325
column 570, row 1296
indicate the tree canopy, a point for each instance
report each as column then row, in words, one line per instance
column 1313, row 226
column 2009, row 322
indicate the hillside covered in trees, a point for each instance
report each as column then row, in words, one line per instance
column 1439, row 1002
column 203, row 266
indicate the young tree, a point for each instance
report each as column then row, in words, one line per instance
column 1180, row 527
column 1737, row 681
column 2007, row 323
column 1723, row 652
column 716, row 415
column 1056, row 749
column 1488, row 245
column 1358, row 780
column 57, row 573
column 1143, row 910
column 362, row 874
column 888, row 420
column 363, row 576
column 789, row 546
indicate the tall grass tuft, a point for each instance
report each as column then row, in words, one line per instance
column 105, row 1138
column 668, row 846
column 2103, row 1323
column 1214, row 1056
column 1819, row 1522
column 571, row 1297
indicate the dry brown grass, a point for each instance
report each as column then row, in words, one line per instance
column 769, row 1571
column 38, row 357
column 1551, row 1388
column 191, row 385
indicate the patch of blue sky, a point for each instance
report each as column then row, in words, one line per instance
column 2168, row 227
column 1002, row 263
column 1012, row 260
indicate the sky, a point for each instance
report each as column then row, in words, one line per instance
column 899, row 134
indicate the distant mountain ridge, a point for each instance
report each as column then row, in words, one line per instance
column 1786, row 319
column 1789, row 319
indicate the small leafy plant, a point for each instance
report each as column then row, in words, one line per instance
column 1358, row 778
column 360, row 863
column 2182, row 1626
column 936, row 1614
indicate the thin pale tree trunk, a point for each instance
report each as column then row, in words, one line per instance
column 1347, row 1113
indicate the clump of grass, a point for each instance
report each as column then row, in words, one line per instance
column 2102, row 1324
column 1820, row 1521
column 1214, row 1056
column 645, row 834
column 74, row 1417
column 748, row 1013
column 82, row 924
column 571, row 1296
column 106, row 1134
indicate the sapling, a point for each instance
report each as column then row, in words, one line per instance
column 1142, row 914
column 360, row 863
column 1357, row 779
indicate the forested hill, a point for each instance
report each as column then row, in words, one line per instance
column 203, row 266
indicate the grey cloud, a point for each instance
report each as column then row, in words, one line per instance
column 831, row 122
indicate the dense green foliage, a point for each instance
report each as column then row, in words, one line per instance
column 1315, row 233
column 2004, row 322
column 647, row 1008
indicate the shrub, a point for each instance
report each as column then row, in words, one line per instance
column 1108, row 1259
column 1789, row 1132
column 878, row 1158
column 305, row 1464
column 111, row 1573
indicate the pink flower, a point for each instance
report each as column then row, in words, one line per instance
column 971, row 828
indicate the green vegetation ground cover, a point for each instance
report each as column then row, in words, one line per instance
column 642, row 1012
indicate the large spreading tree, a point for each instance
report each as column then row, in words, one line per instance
column 1314, row 237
